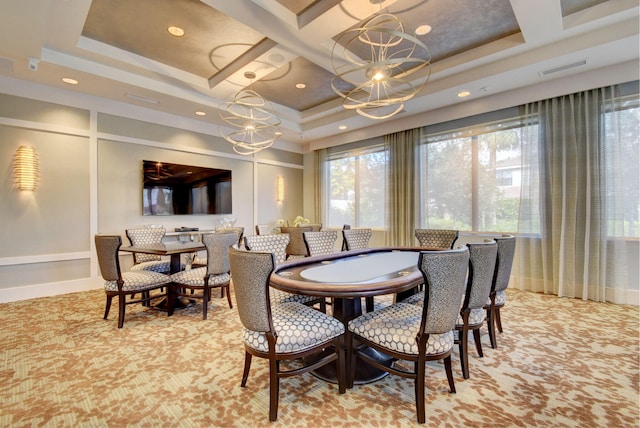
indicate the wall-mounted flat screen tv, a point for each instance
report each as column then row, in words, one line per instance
column 172, row 189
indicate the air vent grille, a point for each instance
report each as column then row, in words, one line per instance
column 563, row 67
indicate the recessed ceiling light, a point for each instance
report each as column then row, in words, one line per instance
column 175, row 31
column 300, row 85
column 201, row 113
column 276, row 57
column 69, row 80
column 342, row 127
column 463, row 94
column 423, row 29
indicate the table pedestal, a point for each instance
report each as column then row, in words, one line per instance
column 345, row 310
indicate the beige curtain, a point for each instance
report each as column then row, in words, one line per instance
column 320, row 188
column 402, row 190
column 574, row 201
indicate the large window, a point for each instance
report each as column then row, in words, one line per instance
column 622, row 126
column 470, row 179
column 356, row 188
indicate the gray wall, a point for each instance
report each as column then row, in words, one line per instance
column 91, row 182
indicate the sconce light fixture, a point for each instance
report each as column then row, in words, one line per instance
column 280, row 189
column 26, row 168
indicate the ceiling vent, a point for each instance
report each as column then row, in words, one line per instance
column 563, row 67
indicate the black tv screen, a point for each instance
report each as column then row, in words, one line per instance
column 172, row 189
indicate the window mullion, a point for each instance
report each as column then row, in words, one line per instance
column 475, row 180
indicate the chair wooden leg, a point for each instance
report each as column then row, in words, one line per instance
column 497, row 319
column 447, row 368
column 247, row 366
column 463, row 339
column 492, row 329
column 476, row 339
column 121, row 305
column 107, row 306
column 228, row 291
column 206, row 295
column 274, row 388
column 419, row 390
column 351, row 363
column 340, row 365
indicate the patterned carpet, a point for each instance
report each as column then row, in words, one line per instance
column 561, row 362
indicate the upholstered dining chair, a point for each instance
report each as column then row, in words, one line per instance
column 315, row 227
column 148, row 236
column 263, row 229
column 344, row 244
column 413, row 334
column 123, row 284
column 277, row 245
column 320, row 243
column 287, row 331
column 436, row 238
column 357, row 239
column 225, row 229
column 214, row 275
column 296, row 248
column 501, row 276
column 482, row 263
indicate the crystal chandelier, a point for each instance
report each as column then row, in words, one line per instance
column 254, row 126
column 375, row 65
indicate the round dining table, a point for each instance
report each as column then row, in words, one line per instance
column 346, row 277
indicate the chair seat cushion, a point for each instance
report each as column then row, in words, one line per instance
column 278, row 296
column 476, row 317
column 136, row 281
column 195, row 277
column 501, row 298
column 395, row 328
column 161, row 266
column 416, row 299
column 298, row 327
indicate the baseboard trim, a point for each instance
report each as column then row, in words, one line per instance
column 49, row 289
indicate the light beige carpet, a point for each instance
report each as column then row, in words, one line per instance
column 561, row 362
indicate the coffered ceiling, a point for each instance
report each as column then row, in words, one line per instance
column 122, row 50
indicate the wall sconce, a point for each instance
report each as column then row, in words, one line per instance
column 26, row 168
column 279, row 189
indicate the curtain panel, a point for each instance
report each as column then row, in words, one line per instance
column 571, row 186
column 403, row 191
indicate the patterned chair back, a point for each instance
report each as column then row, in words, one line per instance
column 274, row 243
column 482, row 263
column 356, row 239
column 506, row 251
column 239, row 231
column 145, row 236
column 263, row 229
column 296, row 246
column 436, row 238
column 107, row 247
column 250, row 271
column 218, row 251
column 320, row 243
column 445, row 274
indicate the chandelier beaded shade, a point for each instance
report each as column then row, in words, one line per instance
column 376, row 66
column 253, row 126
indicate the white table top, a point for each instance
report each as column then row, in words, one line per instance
column 363, row 268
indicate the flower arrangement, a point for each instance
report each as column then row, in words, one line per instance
column 296, row 221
